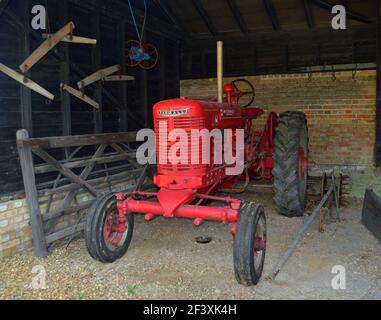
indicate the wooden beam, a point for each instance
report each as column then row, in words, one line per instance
column 79, row 141
column 238, row 16
column 309, row 15
column 25, row 93
column 378, row 103
column 27, row 166
column 73, row 39
column 204, row 16
column 45, row 47
column 350, row 14
column 3, row 5
column 64, row 171
column 163, row 5
column 121, row 43
column 99, row 75
column 117, row 9
column 65, row 75
column 65, row 232
column 119, row 78
column 271, row 12
column 97, row 63
column 25, row 81
column 80, row 95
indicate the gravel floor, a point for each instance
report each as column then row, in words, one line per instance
column 164, row 262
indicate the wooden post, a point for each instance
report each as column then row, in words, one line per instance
column 378, row 105
column 65, row 74
column 220, row 70
column 25, row 93
column 65, row 77
column 27, row 167
column 162, row 62
column 123, row 125
column 97, row 59
column 177, row 68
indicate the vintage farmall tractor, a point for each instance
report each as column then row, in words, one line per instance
column 202, row 191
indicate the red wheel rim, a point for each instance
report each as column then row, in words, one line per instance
column 133, row 57
column 153, row 54
column 259, row 244
column 112, row 237
column 303, row 164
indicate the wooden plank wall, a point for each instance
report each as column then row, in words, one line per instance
column 69, row 115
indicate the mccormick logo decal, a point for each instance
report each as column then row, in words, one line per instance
column 173, row 113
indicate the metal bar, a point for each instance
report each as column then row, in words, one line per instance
column 307, row 224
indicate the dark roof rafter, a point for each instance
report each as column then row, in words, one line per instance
column 171, row 15
column 238, row 16
column 205, row 17
column 352, row 15
column 309, row 14
column 3, row 5
column 271, row 12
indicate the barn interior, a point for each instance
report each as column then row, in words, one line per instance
column 68, row 124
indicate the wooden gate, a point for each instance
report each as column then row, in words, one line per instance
column 92, row 165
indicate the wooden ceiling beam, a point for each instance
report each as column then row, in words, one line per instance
column 351, row 15
column 309, row 14
column 3, row 5
column 162, row 4
column 204, row 16
column 238, row 16
column 271, row 12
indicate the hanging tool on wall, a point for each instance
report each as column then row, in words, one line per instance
column 46, row 46
column 106, row 74
column 139, row 53
column 80, row 95
column 25, row 81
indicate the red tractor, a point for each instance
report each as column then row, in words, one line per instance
column 278, row 153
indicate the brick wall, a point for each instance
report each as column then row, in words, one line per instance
column 341, row 114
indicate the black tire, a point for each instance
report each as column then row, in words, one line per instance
column 96, row 244
column 249, row 261
column 290, row 190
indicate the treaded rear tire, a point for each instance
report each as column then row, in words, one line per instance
column 290, row 191
column 244, row 257
column 94, row 236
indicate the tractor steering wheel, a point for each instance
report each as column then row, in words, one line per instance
column 244, row 88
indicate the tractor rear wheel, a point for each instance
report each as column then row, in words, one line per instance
column 291, row 164
column 250, row 244
column 105, row 242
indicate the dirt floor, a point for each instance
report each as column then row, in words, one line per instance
column 164, row 262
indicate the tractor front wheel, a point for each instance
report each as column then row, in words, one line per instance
column 106, row 240
column 291, row 164
column 250, row 244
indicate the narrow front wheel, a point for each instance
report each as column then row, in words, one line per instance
column 250, row 244
column 106, row 239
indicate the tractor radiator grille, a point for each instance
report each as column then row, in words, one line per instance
column 163, row 148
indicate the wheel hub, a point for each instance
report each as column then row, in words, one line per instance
column 112, row 231
column 303, row 164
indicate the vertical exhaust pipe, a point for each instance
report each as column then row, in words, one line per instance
column 220, row 70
